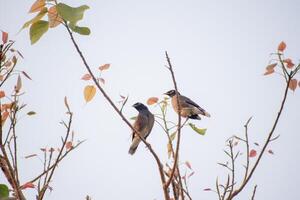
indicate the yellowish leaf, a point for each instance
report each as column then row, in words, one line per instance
column 152, row 100
column 54, row 18
column 89, row 92
column 169, row 146
column 104, row 67
column 293, row 84
column 38, row 5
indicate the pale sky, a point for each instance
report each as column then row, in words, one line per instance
column 219, row 50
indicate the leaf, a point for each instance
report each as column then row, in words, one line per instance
column 133, row 118
column 191, row 174
column 271, row 66
column 289, row 63
column 18, row 85
column 69, row 145
column 201, row 131
column 86, row 77
column 39, row 16
column 4, row 191
column 169, row 147
column 4, row 117
column 102, row 80
column 173, row 135
column 281, row 46
column 71, row 14
column 37, row 30
column 31, row 113
column 89, row 92
column 207, row 189
column 37, row 6
column 293, row 84
column 270, row 152
column 80, row 30
column 26, row 75
column 27, row 185
column 188, row 164
column 256, row 143
column 53, row 17
column 152, row 100
column 30, row 156
column 104, row 67
column 2, row 94
column 4, row 37
column 252, row 153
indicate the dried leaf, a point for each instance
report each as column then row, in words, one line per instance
column 54, row 18
column 173, row 135
column 256, row 143
column 89, row 92
column 26, row 75
column 270, row 152
column 18, row 85
column 86, row 77
column 271, row 66
column 104, row 67
column 281, row 46
column 27, row 185
column 31, row 113
column 5, row 114
column 30, row 156
column 4, row 37
column 169, row 146
column 2, row 94
column 102, row 80
column 252, row 153
column 152, row 100
column 191, row 174
column 37, row 6
column 271, row 71
column 207, row 189
column 69, row 145
column 289, row 63
column 188, row 164
column 293, row 84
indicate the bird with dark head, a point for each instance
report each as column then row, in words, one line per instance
column 143, row 124
column 189, row 109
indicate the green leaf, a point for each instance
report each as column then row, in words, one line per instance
column 31, row 113
column 80, row 30
column 4, row 192
column 71, row 14
column 201, row 131
column 39, row 16
column 133, row 118
column 173, row 135
column 37, row 30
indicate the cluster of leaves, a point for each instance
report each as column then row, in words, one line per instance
column 58, row 13
column 90, row 90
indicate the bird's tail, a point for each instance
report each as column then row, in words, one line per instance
column 195, row 117
column 206, row 114
column 134, row 145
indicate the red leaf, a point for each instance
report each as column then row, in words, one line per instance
column 293, row 84
column 152, row 100
column 2, row 94
column 104, row 67
column 289, row 63
column 86, row 77
column 69, row 145
column 4, row 37
column 281, row 46
column 187, row 163
column 207, row 189
column 270, row 152
column 27, row 185
column 252, row 153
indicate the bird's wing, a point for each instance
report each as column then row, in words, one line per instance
column 190, row 102
column 150, row 124
column 140, row 124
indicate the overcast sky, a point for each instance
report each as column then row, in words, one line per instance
column 219, row 50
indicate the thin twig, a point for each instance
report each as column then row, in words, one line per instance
column 254, row 191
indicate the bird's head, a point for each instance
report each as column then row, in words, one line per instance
column 171, row 93
column 139, row 106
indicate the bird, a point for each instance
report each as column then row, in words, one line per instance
column 143, row 124
column 189, row 109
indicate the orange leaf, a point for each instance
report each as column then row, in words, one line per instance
column 2, row 94
column 89, row 92
column 152, row 100
column 271, row 66
column 289, row 63
column 69, row 145
column 281, row 46
column 4, row 37
column 54, row 18
column 252, row 153
column 86, row 77
column 187, row 163
column 269, row 72
column 27, row 185
column 104, row 67
column 293, row 84
column 1, row 77
column 37, row 6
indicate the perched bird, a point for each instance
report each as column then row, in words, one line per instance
column 143, row 124
column 189, row 109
